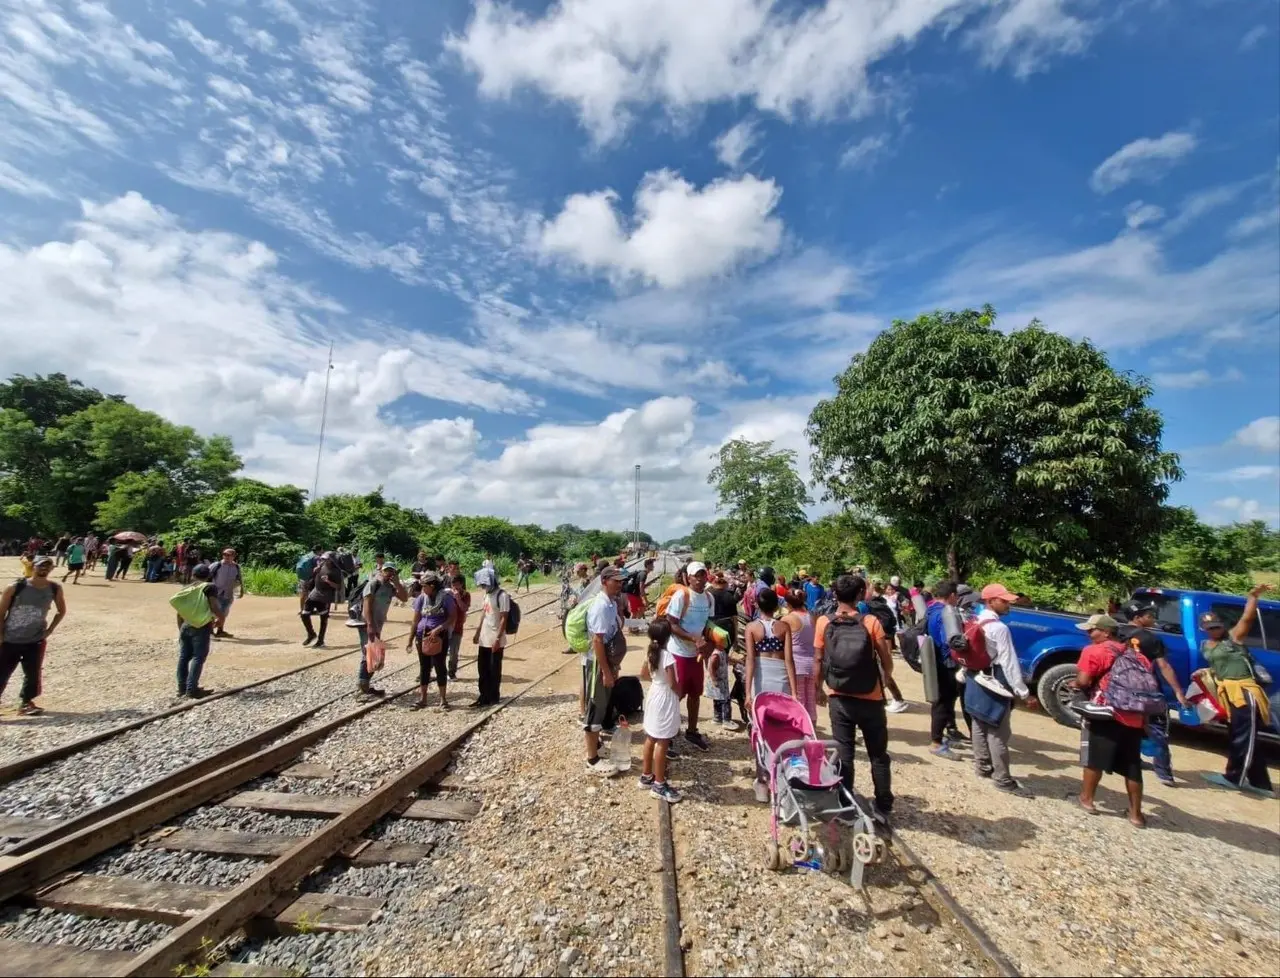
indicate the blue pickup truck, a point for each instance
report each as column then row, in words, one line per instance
column 1048, row 642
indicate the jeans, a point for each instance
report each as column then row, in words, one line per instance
column 29, row 655
column 193, row 648
column 848, row 714
column 991, row 749
column 363, row 676
column 455, row 646
column 489, row 665
column 722, row 710
column 1158, row 733
column 154, row 565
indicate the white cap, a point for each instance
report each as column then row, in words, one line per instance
column 695, row 567
column 896, row 581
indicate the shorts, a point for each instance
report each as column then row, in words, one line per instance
column 439, row 662
column 304, row 587
column 1108, row 746
column 690, row 675
column 225, row 604
column 599, row 698
column 320, row 608
column 636, row 605
column 76, row 567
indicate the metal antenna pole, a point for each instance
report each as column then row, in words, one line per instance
column 324, row 414
column 635, row 539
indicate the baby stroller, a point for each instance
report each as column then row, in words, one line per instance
column 805, row 791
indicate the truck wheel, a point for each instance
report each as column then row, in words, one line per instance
column 1056, row 694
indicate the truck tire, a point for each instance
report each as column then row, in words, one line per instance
column 1055, row 693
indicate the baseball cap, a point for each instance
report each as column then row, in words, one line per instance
column 390, row 566
column 610, row 573
column 42, row 561
column 696, row 567
column 742, row 563
column 1098, row 621
column 1211, row 620
column 896, row 581
column 1136, row 608
column 993, row 591
column 430, row 577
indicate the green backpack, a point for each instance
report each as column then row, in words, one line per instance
column 575, row 627
column 190, row 602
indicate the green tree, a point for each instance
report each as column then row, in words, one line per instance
column 980, row 445
column 370, row 522
column 264, row 524
column 46, row 399
column 145, row 501
column 764, row 496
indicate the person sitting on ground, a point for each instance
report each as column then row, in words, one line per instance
column 25, row 629
column 434, row 615
column 1239, row 693
column 604, row 627
column 661, row 712
column 1108, row 744
column 322, row 590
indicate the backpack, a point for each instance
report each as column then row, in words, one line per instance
column 664, row 602
column 909, row 642
column 973, row 655
column 355, row 604
column 190, row 603
column 575, row 627
column 879, row 607
column 850, row 658
column 1133, row 687
column 827, row 606
column 513, row 613
column 634, row 584
column 305, row 567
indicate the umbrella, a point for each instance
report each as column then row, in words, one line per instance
column 128, row 536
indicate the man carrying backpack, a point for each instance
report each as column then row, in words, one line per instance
column 988, row 704
column 1139, row 632
column 851, row 654
column 1121, row 681
column 305, row 570
column 198, row 609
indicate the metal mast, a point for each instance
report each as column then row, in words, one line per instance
column 635, row 539
column 324, row 414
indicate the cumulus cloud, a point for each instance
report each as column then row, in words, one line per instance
column 1261, row 433
column 608, row 59
column 1239, row 510
column 733, row 145
column 679, row 234
column 1143, row 159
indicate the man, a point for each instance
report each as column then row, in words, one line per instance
column 813, row 592
column 1138, row 634
column 633, row 586
column 91, row 545
column 195, row 628
column 462, row 604
column 305, row 571
column 764, row 579
column 421, row 564
column 25, row 631
column 320, row 592
column 230, row 584
column 1108, row 744
column 851, row 653
column 523, row 566
column 75, row 560
column 689, row 613
column 603, row 625
column 491, row 637
column 60, row 550
column 990, row 713
column 944, row 734
column 1240, row 694
column 380, row 590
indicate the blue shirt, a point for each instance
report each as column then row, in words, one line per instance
column 933, row 616
column 813, row 593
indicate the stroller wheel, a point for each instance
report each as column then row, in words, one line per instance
column 772, row 857
column 864, row 848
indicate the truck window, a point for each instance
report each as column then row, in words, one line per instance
column 1230, row 614
column 1270, row 628
column 1168, row 612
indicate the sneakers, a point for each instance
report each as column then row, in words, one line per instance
column 601, row 768
column 308, row 640
column 197, row 693
column 992, row 685
column 897, row 706
column 954, row 736
column 318, row 645
column 672, row 753
column 647, row 780
column 731, row 726
column 371, row 691
column 30, row 710
column 664, row 792
column 697, row 740
column 1013, row 788
column 761, row 791
column 944, row 751
column 1168, row 782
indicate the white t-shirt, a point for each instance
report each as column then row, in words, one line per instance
column 693, row 619
column 602, row 617
column 491, row 618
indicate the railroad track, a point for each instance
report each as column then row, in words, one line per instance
column 52, row 869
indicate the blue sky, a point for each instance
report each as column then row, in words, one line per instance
column 550, row 241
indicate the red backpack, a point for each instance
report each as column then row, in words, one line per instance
column 974, row 656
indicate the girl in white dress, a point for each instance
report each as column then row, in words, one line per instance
column 661, row 712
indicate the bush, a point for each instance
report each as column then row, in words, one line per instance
column 269, row 582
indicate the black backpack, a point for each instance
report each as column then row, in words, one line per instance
column 827, row 605
column 850, row 658
column 909, row 642
column 513, row 612
column 880, row 608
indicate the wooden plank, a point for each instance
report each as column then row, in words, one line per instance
column 300, row 803
column 22, row 958
column 262, row 889
column 309, row 770
column 268, row 846
column 130, row 899
column 16, row 827
column 324, row 912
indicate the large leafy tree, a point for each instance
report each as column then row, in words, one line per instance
column 976, row 444
column 765, row 498
column 370, row 522
column 264, row 524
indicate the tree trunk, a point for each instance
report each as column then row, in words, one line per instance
column 953, row 564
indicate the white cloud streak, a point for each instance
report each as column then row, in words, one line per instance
column 1144, row 159
column 1261, row 433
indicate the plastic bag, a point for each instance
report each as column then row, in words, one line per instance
column 375, row 654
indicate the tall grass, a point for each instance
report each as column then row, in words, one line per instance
column 269, row 582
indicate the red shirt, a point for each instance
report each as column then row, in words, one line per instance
column 1096, row 661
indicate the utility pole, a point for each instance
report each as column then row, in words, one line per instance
column 635, row 539
column 324, row 414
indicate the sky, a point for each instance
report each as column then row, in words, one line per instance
column 552, row 241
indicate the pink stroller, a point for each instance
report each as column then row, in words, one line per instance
column 805, row 791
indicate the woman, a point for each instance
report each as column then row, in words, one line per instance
column 770, row 663
column 1240, row 694
column 433, row 619
column 800, row 622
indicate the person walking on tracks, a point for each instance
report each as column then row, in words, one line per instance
column 380, row 590
column 25, row 629
column 434, row 614
column 227, row 578
column 321, row 591
column 491, row 637
column 198, row 609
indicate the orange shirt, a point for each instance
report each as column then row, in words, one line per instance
column 876, row 632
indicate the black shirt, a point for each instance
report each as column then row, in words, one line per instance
column 724, row 603
column 1149, row 643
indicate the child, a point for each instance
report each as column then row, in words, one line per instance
column 718, row 689
column 661, row 712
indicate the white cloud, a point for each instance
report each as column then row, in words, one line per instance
column 1252, row 37
column 864, row 153
column 1261, row 433
column 1263, row 220
column 1137, row 214
column 733, row 145
column 1248, row 473
column 1143, row 159
column 679, row 234
column 15, row 181
column 609, row 59
column 1239, row 510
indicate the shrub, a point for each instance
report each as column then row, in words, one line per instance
column 269, row 582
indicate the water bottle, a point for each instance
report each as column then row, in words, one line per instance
column 620, row 750
column 796, row 766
